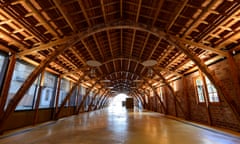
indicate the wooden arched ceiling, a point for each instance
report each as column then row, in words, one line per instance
column 120, row 34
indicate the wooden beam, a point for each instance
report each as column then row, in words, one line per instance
column 29, row 81
column 235, row 73
column 67, row 98
column 176, row 13
column 84, row 12
column 6, row 84
column 65, row 15
column 171, row 90
column 144, row 45
column 206, row 98
column 154, row 49
column 201, row 46
column 92, row 100
column 217, row 83
column 41, row 18
column 159, row 7
column 121, row 8
column 138, row 11
column 110, row 43
column 39, row 93
column 98, row 46
column 46, row 46
column 204, row 13
column 155, row 92
column 99, row 99
column 85, row 96
column 103, row 11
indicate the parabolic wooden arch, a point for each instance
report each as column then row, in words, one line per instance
column 71, row 41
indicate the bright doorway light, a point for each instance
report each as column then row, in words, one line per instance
column 116, row 103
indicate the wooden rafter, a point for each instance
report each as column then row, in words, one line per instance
column 31, row 78
column 65, row 15
column 98, row 46
column 205, row 12
column 160, row 4
column 138, row 11
column 110, row 43
column 144, row 45
column 176, row 13
column 103, row 11
column 84, row 12
column 41, row 18
column 154, row 49
column 45, row 46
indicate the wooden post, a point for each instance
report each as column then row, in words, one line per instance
column 185, row 94
column 209, row 117
column 6, row 84
column 155, row 92
column 171, row 90
column 67, row 98
column 77, row 99
column 38, row 99
column 235, row 73
column 99, row 100
column 92, row 100
column 85, row 96
column 57, row 96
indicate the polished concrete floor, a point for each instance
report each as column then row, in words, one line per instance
column 109, row 126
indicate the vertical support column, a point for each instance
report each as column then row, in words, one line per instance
column 99, row 100
column 155, row 92
column 6, row 84
column 235, row 73
column 77, row 99
column 171, row 90
column 185, row 94
column 85, row 96
column 38, row 99
column 92, row 100
column 209, row 118
column 67, row 98
column 57, row 96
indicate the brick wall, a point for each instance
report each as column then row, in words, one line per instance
column 221, row 114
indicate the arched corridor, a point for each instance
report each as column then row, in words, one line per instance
column 115, row 126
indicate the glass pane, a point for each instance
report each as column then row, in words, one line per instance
column 200, row 90
column 212, row 92
column 20, row 74
column 48, row 90
column 64, row 89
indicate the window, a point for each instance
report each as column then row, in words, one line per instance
column 21, row 72
column 64, row 89
column 211, row 91
column 161, row 93
column 199, row 89
column 48, row 90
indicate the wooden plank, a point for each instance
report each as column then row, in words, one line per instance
column 92, row 100
column 36, row 108
column 6, row 84
column 99, row 99
column 206, row 97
